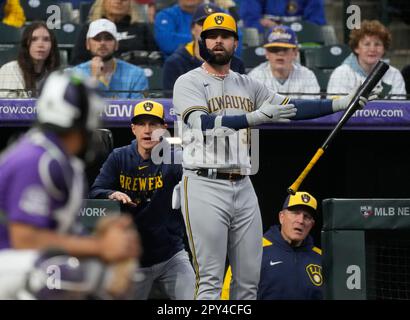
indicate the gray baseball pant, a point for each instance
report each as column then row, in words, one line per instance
column 222, row 217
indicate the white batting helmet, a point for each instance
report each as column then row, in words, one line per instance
column 68, row 101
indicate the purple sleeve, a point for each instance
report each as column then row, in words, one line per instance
column 30, row 200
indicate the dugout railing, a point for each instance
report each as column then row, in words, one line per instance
column 366, row 249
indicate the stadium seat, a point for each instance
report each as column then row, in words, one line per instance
column 103, row 145
column 251, row 37
column 37, row 9
column 66, row 11
column 154, row 75
column 84, row 11
column 253, row 56
column 8, row 54
column 67, row 35
column 10, row 36
column 322, row 76
column 329, row 34
column 63, row 58
column 327, row 57
column 308, row 34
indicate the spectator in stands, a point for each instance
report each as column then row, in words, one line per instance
column 113, row 75
column 135, row 39
column 76, row 3
column 281, row 72
column 187, row 58
column 42, row 178
column 291, row 265
column 229, row 6
column 368, row 44
column 150, row 9
column 172, row 26
column 406, row 76
column 263, row 14
column 37, row 57
column 144, row 186
column 12, row 13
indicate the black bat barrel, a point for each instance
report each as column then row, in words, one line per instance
column 364, row 90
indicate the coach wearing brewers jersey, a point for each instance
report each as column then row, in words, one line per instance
column 145, row 189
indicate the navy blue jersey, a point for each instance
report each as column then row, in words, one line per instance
column 289, row 272
column 150, row 186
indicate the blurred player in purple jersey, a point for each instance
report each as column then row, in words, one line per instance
column 42, row 177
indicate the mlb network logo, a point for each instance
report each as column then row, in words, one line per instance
column 366, row 211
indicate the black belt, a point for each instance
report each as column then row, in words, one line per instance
column 220, row 175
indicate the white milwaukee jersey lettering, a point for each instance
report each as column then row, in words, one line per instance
column 234, row 95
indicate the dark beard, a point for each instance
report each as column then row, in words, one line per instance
column 220, row 60
column 106, row 58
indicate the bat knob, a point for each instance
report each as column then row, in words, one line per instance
column 291, row 191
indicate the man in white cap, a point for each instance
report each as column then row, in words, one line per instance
column 116, row 78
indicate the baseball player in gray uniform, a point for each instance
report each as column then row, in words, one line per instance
column 216, row 106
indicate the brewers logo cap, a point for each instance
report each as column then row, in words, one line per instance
column 204, row 10
column 219, row 21
column 150, row 108
column 281, row 36
column 300, row 198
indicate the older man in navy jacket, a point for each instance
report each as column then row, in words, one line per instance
column 291, row 266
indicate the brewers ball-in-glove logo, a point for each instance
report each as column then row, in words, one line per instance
column 305, row 198
column 148, row 106
column 366, row 211
column 208, row 9
column 292, row 7
column 314, row 272
column 219, row 20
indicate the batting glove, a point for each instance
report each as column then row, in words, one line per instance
column 342, row 103
column 271, row 113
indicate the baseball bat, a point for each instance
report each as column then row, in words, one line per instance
column 364, row 90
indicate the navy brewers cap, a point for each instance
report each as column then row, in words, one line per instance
column 281, row 36
column 203, row 11
column 301, row 198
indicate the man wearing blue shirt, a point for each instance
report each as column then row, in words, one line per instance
column 172, row 26
column 117, row 79
column 263, row 14
column 145, row 190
